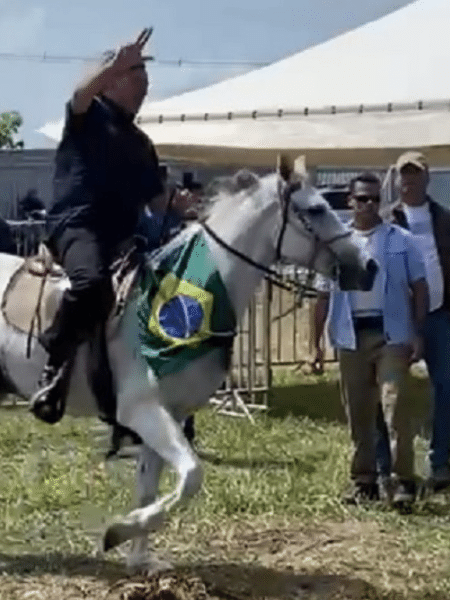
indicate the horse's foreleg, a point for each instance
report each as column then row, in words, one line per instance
column 160, row 432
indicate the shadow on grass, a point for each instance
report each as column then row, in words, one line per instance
column 306, row 466
column 320, row 400
column 239, row 581
column 432, row 503
column 224, row 580
column 428, row 509
column 60, row 564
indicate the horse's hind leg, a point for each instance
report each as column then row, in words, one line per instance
column 148, row 471
column 160, row 432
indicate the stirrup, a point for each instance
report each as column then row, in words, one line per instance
column 49, row 402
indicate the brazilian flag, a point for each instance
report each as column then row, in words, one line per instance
column 184, row 310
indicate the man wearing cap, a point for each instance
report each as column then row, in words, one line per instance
column 429, row 222
column 106, row 172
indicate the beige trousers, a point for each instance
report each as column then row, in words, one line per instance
column 376, row 372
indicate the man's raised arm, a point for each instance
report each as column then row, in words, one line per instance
column 127, row 57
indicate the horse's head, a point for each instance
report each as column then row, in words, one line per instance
column 312, row 235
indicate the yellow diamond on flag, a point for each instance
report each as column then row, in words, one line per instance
column 181, row 312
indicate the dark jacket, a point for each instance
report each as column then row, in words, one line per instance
column 440, row 218
column 106, row 171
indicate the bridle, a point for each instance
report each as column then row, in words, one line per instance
column 318, row 244
column 272, row 275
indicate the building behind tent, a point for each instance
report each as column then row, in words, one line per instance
column 22, row 170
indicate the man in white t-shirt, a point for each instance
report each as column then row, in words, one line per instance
column 429, row 222
column 377, row 336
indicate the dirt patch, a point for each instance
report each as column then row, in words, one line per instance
column 207, row 582
column 169, row 585
column 273, row 563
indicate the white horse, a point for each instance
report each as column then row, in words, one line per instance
column 250, row 218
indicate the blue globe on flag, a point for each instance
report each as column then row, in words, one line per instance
column 181, row 317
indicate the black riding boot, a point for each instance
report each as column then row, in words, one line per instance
column 74, row 323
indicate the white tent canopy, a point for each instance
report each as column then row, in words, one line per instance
column 359, row 99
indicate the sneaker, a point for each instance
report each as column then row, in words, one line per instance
column 385, row 488
column 361, row 493
column 404, row 494
column 48, row 402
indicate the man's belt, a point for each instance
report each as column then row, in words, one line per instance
column 369, row 322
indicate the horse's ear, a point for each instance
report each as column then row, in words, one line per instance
column 285, row 166
column 292, row 171
column 300, row 167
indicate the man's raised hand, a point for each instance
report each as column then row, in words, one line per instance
column 131, row 55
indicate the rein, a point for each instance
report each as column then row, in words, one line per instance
column 163, row 233
column 272, row 275
column 317, row 245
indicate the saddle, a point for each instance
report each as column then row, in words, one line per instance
column 29, row 305
column 33, row 293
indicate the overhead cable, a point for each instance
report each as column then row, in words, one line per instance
column 51, row 58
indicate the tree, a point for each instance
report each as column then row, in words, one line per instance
column 9, row 126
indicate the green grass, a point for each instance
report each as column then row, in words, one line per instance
column 285, row 474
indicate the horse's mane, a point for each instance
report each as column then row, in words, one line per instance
column 227, row 187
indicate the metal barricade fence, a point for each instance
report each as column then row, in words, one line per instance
column 27, row 236
column 276, row 332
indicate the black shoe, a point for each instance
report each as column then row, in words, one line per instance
column 361, row 493
column 120, row 437
column 404, row 494
column 49, row 402
column 188, row 429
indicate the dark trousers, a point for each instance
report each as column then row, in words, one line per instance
column 437, row 356
column 86, row 260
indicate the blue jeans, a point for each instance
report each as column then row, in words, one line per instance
column 437, row 358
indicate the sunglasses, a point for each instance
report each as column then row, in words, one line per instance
column 364, row 198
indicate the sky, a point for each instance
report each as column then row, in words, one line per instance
column 219, row 30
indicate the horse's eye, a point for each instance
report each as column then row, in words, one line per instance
column 316, row 211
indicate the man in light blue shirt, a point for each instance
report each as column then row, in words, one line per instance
column 377, row 334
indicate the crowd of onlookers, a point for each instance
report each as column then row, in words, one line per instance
column 379, row 334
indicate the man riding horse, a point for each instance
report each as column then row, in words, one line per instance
column 106, row 172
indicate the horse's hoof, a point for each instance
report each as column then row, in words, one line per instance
column 111, row 539
column 117, row 534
